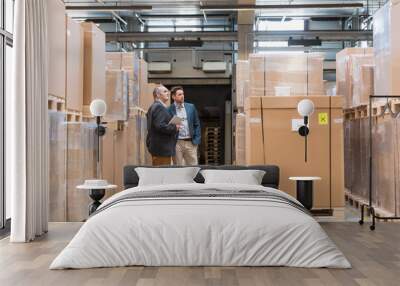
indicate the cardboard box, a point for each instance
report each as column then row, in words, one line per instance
column 257, row 75
column 270, row 140
column 117, row 95
column 56, row 26
column 254, row 134
column 387, row 49
column 94, row 79
column 130, row 63
column 147, row 98
column 74, row 74
column 57, row 167
column 240, row 139
column 345, row 69
column 363, row 78
column 242, row 75
column 295, row 74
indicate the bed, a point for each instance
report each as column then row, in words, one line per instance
column 198, row 224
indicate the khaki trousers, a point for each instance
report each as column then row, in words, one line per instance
column 186, row 153
column 159, row 160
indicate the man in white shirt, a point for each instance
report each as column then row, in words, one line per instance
column 189, row 136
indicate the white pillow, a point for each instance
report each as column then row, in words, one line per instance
column 166, row 176
column 248, row 177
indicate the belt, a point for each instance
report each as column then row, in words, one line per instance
column 186, row 139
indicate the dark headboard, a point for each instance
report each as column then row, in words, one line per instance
column 271, row 177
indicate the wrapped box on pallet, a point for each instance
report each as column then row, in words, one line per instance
column 286, row 74
column 254, row 134
column 344, row 72
column 240, row 139
column 386, row 21
column 121, row 155
column 130, row 63
column 270, row 129
column 242, row 75
column 385, row 162
column 56, row 47
column 57, row 166
column 256, row 76
column 81, row 165
column 94, row 70
column 117, row 95
column 133, row 138
column 74, row 74
column 363, row 78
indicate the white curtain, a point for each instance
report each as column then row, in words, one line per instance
column 27, row 151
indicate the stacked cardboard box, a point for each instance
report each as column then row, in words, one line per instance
column 57, row 167
column 286, row 74
column 349, row 63
column 129, row 62
column 271, row 140
column 81, row 165
column 240, row 139
column 117, row 95
column 94, row 71
column 146, row 91
column 242, row 75
column 387, row 49
column 74, row 66
column 363, row 76
column 56, row 47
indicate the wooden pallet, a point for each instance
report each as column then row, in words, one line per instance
column 55, row 103
column 357, row 202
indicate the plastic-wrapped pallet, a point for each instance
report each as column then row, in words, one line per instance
column 57, row 167
column 286, row 74
column 298, row 74
column 344, row 71
column 133, row 138
column 117, row 95
column 81, row 165
column 129, row 62
column 387, row 49
column 363, row 78
column 256, row 76
column 242, row 75
column 143, row 133
column 240, row 139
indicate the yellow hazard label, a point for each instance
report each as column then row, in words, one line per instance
column 323, row 118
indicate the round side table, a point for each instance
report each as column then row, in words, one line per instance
column 304, row 190
column 96, row 193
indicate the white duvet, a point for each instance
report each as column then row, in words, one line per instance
column 200, row 231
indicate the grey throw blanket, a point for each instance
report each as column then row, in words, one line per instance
column 205, row 194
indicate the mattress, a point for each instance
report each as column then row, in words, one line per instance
column 201, row 225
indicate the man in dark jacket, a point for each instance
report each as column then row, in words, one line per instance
column 189, row 135
column 161, row 136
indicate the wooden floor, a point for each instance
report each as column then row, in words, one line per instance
column 375, row 257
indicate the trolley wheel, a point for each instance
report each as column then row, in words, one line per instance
column 361, row 222
column 372, row 227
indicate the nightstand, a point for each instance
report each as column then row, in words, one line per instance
column 304, row 190
column 96, row 193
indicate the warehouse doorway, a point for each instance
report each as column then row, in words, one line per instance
column 211, row 102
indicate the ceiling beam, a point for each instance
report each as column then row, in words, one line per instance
column 107, row 8
column 324, row 35
column 243, row 7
